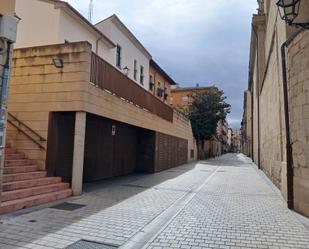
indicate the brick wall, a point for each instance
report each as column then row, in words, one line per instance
column 298, row 78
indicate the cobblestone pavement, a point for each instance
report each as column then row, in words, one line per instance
column 236, row 209
column 220, row 203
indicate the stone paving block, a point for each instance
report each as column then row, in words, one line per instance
column 235, row 208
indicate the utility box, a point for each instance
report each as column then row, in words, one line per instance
column 8, row 27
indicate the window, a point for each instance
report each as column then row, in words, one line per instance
column 151, row 84
column 159, row 90
column 142, row 76
column 165, row 93
column 192, row 153
column 135, row 69
column 118, row 56
column 185, row 98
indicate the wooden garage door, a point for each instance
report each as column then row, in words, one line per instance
column 60, row 145
column 109, row 154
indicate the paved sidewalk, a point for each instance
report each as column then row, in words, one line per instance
column 220, row 203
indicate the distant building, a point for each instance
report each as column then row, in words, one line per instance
column 181, row 96
column 235, row 141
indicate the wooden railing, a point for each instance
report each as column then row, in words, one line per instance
column 27, row 131
column 105, row 76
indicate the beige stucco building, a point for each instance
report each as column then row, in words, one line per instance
column 264, row 130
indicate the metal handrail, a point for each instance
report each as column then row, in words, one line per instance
column 33, row 133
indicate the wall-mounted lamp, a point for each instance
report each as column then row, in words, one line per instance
column 289, row 11
column 58, row 62
column 126, row 71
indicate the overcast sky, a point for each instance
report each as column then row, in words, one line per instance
column 195, row 41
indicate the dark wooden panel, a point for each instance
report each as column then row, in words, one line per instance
column 125, row 149
column 60, row 145
column 146, row 151
column 170, row 151
column 108, row 155
column 98, row 158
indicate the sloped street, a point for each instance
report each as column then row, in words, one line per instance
column 221, row 203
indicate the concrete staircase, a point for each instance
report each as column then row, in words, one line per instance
column 25, row 185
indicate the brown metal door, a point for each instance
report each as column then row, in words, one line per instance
column 110, row 148
column 60, row 145
column 98, row 158
column 125, row 149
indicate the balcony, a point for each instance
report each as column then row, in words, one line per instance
column 106, row 77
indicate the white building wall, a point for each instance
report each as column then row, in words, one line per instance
column 39, row 24
column 74, row 30
column 49, row 25
column 129, row 52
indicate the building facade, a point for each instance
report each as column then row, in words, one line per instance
column 264, row 132
column 130, row 54
column 160, row 83
column 181, row 96
column 55, row 22
column 75, row 117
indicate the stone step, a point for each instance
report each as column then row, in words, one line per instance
column 30, row 183
column 9, row 150
column 14, row 156
column 10, row 206
column 16, row 162
column 24, row 193
column 23, row 176
column 19, row 169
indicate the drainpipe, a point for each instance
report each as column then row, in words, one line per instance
column 289, row 148
column 251, row 119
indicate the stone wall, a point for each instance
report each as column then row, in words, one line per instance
column 268, row 139
column 38, row 88
column 270, row 122
column 298, row 79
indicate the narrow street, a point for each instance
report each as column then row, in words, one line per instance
column 219, row 203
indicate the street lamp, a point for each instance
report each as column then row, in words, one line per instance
column 126, row 71
column 58, row 62
column 289, row 11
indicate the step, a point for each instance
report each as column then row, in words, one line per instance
column 16, row 162
column 10, row 206
column 30, row 183
column 21, row 169
column 14, row 156
column 23, row 193
column 23, row 176
column 9, row 150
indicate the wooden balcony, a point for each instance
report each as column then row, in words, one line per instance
column 105, row 76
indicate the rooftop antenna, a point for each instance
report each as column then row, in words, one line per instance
column 90, row 12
